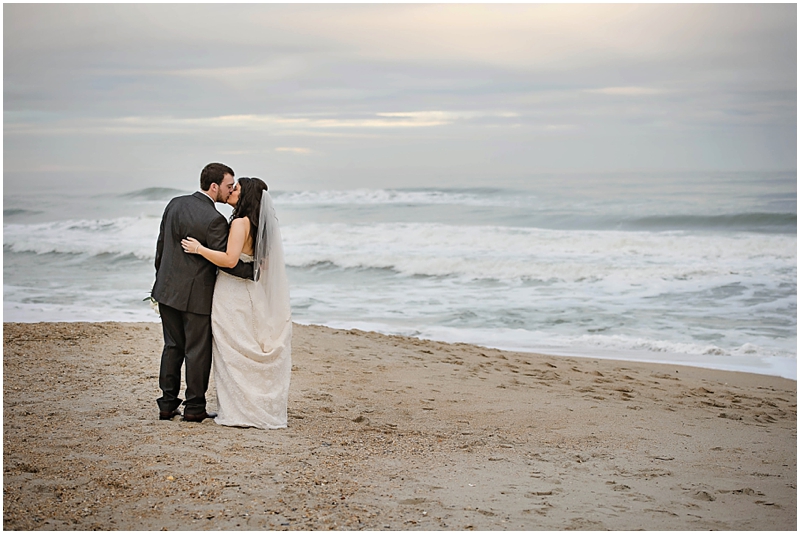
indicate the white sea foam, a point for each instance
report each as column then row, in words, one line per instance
column 469, row 252
column 398, row 197
column 122, row 236
column 506, row 253
column 82, row 303
column 697, row 291
column 86, row 312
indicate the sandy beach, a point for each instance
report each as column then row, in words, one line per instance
column 390, row 432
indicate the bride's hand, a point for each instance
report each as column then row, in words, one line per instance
column 190, row 245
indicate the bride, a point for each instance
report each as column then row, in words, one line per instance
column 251, row 320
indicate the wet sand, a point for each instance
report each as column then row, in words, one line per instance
column 388, row 432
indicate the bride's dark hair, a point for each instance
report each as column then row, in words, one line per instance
column 249, row 204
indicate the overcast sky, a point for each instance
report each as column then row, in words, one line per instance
column 339, row 96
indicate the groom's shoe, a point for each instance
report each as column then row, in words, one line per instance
column 198, row 417
column 169, row 415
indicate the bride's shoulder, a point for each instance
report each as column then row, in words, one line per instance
column 241, row 224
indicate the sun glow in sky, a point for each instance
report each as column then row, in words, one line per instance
column 370, row 95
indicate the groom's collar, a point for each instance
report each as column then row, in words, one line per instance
column 207, row 195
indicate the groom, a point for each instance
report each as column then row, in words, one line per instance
column 184, row 288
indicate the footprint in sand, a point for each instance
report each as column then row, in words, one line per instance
column 665, row 376
column 704, row 495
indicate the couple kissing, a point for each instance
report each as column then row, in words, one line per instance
column 223, row 296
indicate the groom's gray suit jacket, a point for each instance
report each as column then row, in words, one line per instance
column 186, row 281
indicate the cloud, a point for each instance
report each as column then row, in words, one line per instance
column 273, row 123
column 561, row 127
column 448, row 116
column 266, row 122
column 293, row 149
column 433, row 86
column 280, row 68
column 625, row 91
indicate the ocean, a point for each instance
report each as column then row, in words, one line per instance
column 688, row 268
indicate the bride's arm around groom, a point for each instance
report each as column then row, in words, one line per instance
column 238, row 237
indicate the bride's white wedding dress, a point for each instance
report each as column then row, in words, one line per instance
column 251, row 324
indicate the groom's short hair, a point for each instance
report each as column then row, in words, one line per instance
column 213, row 173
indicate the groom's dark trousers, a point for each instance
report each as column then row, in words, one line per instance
column 184, row 288
column 187, row 337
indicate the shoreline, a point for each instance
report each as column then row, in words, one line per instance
column 393, row 432
column 777, row 366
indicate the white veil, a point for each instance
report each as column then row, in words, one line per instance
column 266, row 232
column 274, row 313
